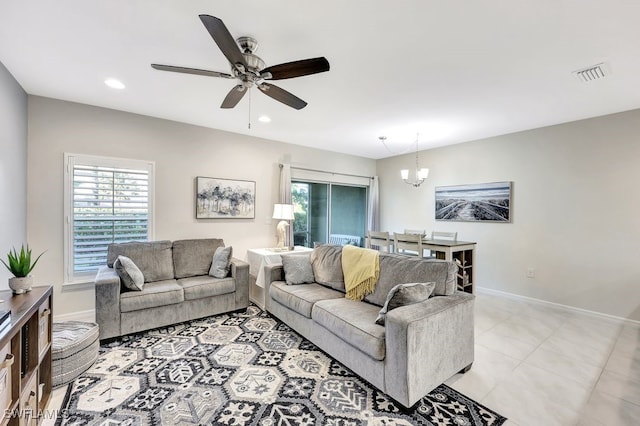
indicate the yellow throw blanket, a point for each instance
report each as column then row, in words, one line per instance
column 361, row 269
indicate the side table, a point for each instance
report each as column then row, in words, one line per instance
column 25, row 347
column 257, row 259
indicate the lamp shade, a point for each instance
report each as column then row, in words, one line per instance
column 423, row 173
column 283, row 211
column 404, row 174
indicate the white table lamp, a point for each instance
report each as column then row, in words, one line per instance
column 284, row 212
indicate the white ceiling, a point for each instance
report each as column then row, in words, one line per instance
column 451, row 70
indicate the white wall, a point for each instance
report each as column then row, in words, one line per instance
column 13, row 168
column 575, row 207
column 181, row 152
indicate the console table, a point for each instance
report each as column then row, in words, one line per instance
column 461, row 252
column 257, row 259
column 25, row 356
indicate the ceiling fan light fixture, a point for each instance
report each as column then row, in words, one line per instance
column 114, row 83
column 264, row 119
column 249, row 68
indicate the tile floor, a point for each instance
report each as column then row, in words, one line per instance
column 539, row 365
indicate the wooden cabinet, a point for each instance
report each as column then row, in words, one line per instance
column 25, row 357
column 461, row 252
column 6, row 362
column 464, row 259
column 29, row 402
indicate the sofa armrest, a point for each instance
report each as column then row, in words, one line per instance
column 107, row 288
column 240, row 272
column 427, row 343
column 273, row 272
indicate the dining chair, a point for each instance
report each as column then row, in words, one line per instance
column 416, row 231
column 379, row 240
column 439, row 235
column 408, row 244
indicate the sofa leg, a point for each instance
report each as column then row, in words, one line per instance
column 467, row 368
column 116, row 341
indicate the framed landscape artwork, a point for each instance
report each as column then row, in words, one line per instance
column 485, row 202
column 225, row 198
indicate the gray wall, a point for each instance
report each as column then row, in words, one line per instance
column 181, row 152
column 575, row 210
column 13, row 167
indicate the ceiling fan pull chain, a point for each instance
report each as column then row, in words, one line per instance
column 249, row 108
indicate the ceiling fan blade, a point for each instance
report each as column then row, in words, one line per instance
column 282, row 95
column 225, row 41
column 195, row 71
column 234, row 96
column 296, row 68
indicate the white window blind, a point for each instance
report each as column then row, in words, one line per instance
column 109, row 201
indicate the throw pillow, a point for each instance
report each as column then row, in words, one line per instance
column 130, row 275
column 297, row 269
column 404, row 294
column 220, row 263
column 326, row 261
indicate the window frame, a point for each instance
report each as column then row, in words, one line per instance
column 70, row 161
column 353, row 182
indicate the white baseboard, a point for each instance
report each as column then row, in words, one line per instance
column 559, row 306
column 89, row 316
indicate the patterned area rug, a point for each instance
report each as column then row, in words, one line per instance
column 242, row 369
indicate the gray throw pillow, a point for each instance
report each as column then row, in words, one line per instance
column 405, row 294
column 297, row 269
column 220, row 262
column 326, row 261
column 130, row 275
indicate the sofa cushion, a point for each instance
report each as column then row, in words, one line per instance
column 130, row 275
column 354, row 323
column 326, row 261
column 154, row 258
column 403, row 295
column 396, row 269
column 158, row 293
column 206, row 286
column 300, row 298
column 193, row 257
column 297, row 268
column 220, row 262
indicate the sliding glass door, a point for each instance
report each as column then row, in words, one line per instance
column 328, row 212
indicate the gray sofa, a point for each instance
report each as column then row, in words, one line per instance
column 177, row 286
column 419, row 347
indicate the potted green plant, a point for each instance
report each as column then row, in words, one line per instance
column 20, row 266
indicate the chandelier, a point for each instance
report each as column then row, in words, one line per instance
column 420, row 173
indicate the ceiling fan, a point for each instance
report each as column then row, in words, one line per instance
column 249, row 69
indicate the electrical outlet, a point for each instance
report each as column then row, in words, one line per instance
column 531, row 273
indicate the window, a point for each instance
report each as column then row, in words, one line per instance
column 107, row 200
column 328, row 212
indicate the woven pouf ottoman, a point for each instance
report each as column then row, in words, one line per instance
column 74, row 349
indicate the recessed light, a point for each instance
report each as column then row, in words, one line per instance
column 114, row 83
column 264, row 119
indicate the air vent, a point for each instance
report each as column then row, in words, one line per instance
column 594, row 72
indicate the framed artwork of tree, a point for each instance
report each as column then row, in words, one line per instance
column 225, row 198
